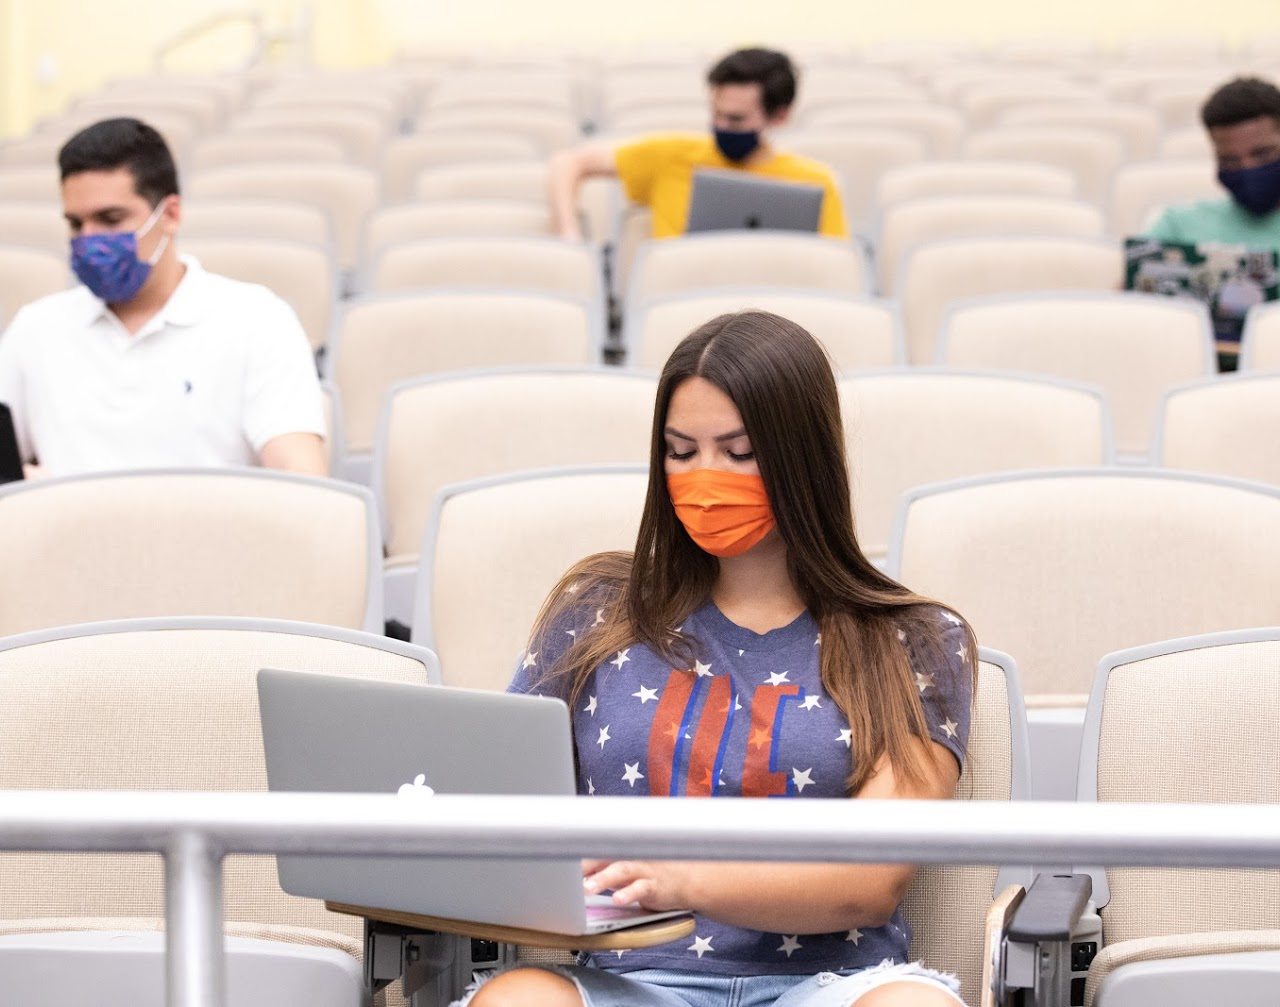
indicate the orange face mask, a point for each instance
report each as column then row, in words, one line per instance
column 725, row 513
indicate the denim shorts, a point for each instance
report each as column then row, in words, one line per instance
column 679, row 988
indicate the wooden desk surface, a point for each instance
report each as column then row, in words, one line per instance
column 642, row 936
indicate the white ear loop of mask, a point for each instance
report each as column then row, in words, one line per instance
column 164, row 238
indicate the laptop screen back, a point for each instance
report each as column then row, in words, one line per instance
column 734, row 200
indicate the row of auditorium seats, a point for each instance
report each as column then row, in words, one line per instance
column 171, row 704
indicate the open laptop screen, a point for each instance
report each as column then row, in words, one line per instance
column 10, row 457
column 734, row 200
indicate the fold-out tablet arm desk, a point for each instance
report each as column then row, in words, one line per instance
column 430, row 950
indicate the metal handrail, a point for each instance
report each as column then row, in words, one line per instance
column 195, row 831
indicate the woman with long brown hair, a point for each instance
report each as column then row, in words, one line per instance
column 748, row 648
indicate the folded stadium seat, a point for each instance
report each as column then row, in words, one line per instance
column 205, row 112
column 912, row 222
column 565, row 417
column 230, row 149
column 983, row 102
column 859, row 157
column 1155, row 733
column 917, row 426
column 1131, row 81
column 405, row 156
column 1167, row 49
column 624, row 89
column 973, row 178
column 229, row 89
column 1260, row 342
column 28, row 273
column 494, row 549
column 773, row 259
column 178, row 131
column 390, row 338
column 245, row 542
column 36, row 150
column 1177, row 104
column 453, row 218
column 882, row 93
column 35, row 225
column 950, row 81
column 301, row 274
column 1133, row 346
column 1140, row 191
column 1091, row 155
column 939, row 126
column 547, row 265
column 37, row 183
column 272, row 219
column 380, row 106
column 517, row 180
column 688, row 116
column 1047, row 49
column 1078, row 563
column 552, row 131
column 1137, row 126
column 857, row 332
column 163, row 704
column 935, row 275
column 1216, row 425
column 540, row 88
column 346, row 192
column 1186, row 144
column 362, row 136
column 840, row 82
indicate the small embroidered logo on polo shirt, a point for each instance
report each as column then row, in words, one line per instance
column 186, row 387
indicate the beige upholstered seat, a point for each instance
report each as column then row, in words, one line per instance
column 301, row 274
column 36, row 150
column 1077, row 564
column 935, row 275
column 279, row 220
column 564, row 417
column 543, row 264
column 774, row 259
column 1137, row 127
column 347, row 193
column 917, row 221
column 1161, row 735
column 37, row 183
column 36, row 225
column 632, row 87
column 946, row 905
column 194, row 542
column 405, row 156
column 203, row 111
column 984, row 102
column 504, row 88
column 362, row 135
column 678, row 116
column 230, row 149
column 961, row 178
column 857, row 332
column 454, row 218
column 387, row 339
column 1260, row 344
column 1133, row 346
column 859, row 158
column 162, row 705
column 496, row 548
column 519, row 180
column 940, row 126
column 916, row 426
column 1091, row 155
column 1191, row 143
column 1220, row 425
column 551, row 131
column 1139, row 191
column 26, row 274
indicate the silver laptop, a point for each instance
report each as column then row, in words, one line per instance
column 735, row 200
column 347, row 735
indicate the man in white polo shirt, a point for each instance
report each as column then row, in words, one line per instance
column 153, row 362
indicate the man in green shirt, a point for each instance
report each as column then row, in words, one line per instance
column 1243, row 120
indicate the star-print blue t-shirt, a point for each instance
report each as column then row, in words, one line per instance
column 749, row 719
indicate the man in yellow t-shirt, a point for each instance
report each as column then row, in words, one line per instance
column 752, row 91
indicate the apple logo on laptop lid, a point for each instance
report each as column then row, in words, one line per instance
column 418, row 788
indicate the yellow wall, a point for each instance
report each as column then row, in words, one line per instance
column 52, row 50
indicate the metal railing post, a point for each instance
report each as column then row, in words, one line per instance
column 195, row 967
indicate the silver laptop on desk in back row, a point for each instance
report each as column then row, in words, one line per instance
column 735, row 200
column 329, row 734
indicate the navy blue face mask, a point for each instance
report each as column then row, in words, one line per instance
column 737, row 146
column 1255, row 189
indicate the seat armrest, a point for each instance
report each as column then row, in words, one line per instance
column 1051, row 908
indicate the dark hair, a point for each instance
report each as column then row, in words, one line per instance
column 780, row 379
column 123, row 143
column 771, row 70
column 1239, row 101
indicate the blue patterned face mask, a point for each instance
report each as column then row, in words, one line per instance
column 108, row 264
column 1255, row 189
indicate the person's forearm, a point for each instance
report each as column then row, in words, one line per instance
column 565, row 177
